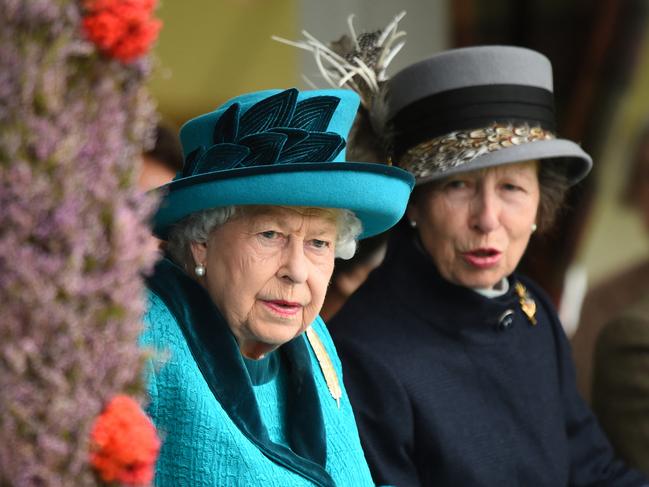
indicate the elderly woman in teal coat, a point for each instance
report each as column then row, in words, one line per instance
column 245, row 384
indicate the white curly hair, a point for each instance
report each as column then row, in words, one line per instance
column 198, row 226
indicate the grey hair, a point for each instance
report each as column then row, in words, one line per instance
column 198, row 226
column 195, row 228
column 554, row 185
column 349, row 229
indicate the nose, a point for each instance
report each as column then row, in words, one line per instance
column 485, row 210
column 294, row 266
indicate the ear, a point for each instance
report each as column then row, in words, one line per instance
column 199, row 252
column 412, row 211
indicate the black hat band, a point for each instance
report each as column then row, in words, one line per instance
column 470, row 107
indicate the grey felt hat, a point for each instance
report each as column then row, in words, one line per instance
column 477, row 107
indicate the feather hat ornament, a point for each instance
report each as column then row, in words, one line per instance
column 456, row 111
column 359, row 62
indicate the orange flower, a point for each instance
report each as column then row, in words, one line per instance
column 122, row 29
column 124, row 443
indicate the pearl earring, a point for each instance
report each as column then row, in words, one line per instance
column 199, row 270
column 534, row 227
column 413, row 223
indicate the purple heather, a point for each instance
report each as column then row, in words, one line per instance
column 73, row 243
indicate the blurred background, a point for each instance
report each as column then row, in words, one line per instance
column 211, row 50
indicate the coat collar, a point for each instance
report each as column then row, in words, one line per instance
column 217, row 355
column 411, row 276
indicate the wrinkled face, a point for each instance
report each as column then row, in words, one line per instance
column 267, row 270
column 476, row 225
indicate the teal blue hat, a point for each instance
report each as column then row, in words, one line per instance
column 283, row 148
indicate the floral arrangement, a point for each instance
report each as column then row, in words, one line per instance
column 123, row 29
column 74, row 118
column 124, row 443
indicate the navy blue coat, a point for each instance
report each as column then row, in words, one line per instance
column 447, row 392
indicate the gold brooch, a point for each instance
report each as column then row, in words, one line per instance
column 528, row 305
column 327, row 367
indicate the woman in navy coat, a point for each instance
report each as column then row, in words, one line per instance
column 457, row 366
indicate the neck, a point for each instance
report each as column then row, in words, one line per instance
column 255, row 350
column 498, row 289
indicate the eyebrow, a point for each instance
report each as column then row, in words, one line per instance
column 282, row 223
column 324, row 231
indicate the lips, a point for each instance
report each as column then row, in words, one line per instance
column 483, row 258
column 282, row 308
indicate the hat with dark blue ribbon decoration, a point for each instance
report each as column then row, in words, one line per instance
column 281, row 148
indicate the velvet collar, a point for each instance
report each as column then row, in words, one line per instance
column 217, row 355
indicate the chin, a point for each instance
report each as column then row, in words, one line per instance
column 485, row 280
column 274, row 335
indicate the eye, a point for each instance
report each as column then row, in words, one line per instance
column 270, row 235
column 455, row 184
column 511, row 187
column 320, row 244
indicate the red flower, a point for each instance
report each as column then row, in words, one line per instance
column 124, row 443
column 122, row 29
column 95, row 5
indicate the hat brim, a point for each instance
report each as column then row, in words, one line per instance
column 376, row 193
column 577, row 163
